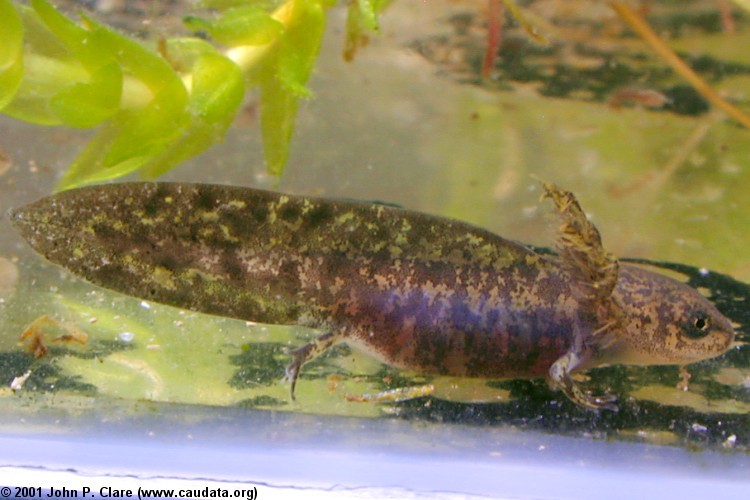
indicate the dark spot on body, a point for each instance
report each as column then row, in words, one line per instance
column 437, row 352
column 293, row 311
column 149, row 247
column 205, row 200
column 259, row 213
column 380, row 233
column 183, row 295
column 289, row 276
column 155, row 203
column 480, row 358
column 105, row 231
column 290, row 212
column 112, row 272
column 469, row 340
column 319, row 215
column 236, row 222
column 233, row 269
column 167, row 261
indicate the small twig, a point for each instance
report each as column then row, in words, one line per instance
column 745, row 4
column 686, row 149
column 494, row 35
column 641, row 27
column 727, row 18
column 652, row 181
column 529, row 27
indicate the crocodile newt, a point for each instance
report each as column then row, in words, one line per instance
column 419, row 292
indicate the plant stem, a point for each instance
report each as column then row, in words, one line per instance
column 641, row 27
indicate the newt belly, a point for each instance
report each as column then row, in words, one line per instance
column 419, row 292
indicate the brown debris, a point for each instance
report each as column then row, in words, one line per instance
column 33, row 335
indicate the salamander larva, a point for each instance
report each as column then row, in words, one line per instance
column 419, row 292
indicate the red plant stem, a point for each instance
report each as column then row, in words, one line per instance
column 494, row 35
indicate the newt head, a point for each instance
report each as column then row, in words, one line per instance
column 668, row 322
column 625, row 315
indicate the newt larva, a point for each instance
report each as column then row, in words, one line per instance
column 419, row 292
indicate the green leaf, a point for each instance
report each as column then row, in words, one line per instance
column 47, row 67
column 64, row 65
column 183, row 52
column 278, row 110
column 76, row 40
column 11, row 52
column 10, row 81
column 87, row 167
column 152, row 128
column 217, row 91
column 11, row 33
column 142, row 63
column 130, row 139
column 43, row 77
column 283, row 83
column 87, row 74
column 161, row 136
column 89, row 104
column 367, row 14
column 248, row 25
column 38, row 38
column 300, row 45
column 362, row 17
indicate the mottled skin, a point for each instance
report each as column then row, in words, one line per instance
column 419, row 292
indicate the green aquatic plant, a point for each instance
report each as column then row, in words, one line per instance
column 156, row 106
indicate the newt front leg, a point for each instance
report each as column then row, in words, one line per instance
column 560, row 374
column 594, row 273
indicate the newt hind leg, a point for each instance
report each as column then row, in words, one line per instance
column 308, row 352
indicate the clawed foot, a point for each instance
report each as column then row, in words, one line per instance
column 393, row 395
column 560, row 378
column 299, row 356
column 302, row 355
column 587, row 400
column 603, row 402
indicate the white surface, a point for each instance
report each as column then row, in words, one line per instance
column 296, row 456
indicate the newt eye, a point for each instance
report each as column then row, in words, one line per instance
column 700, row 328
